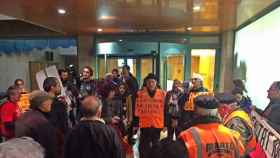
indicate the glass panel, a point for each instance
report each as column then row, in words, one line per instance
column 132, row 64
column 175, row 69
column 112, row 63
column 101, row 67
column 146, row 68
column 203, row 62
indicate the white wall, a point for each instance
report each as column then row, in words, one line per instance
column 15, row 65
column 257, row 46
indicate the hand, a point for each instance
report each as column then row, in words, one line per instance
column 115, row 120
column 164, row 129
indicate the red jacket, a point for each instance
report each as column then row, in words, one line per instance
column 9, row 112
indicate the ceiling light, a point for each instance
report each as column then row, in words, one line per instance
column 61, row 11
column 196, row 8
column 189, row 28
column 99, row 30
column 104, row 17
column 120, row 40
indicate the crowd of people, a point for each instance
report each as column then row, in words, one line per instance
column 86, row 117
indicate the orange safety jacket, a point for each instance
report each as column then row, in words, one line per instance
column 249, row 141
column 189, row 105
column 212, row 140
column 150, row 110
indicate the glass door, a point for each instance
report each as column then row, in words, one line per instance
column 175, row 69
column 145, row 68
column 203, row 63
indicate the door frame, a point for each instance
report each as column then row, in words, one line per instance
column 125, row 57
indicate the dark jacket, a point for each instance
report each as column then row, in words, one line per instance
column 272, row 113
column 187, row 116
column 35, row 124
column 172, row 105
column 87, row 88
column 92, row 139
column 59, row 116
column 111, row 109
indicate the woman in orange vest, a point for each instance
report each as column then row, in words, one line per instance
column 23, row 102
column 150, row 110
column 237, row 119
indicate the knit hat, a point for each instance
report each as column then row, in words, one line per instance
column 151, row 76
column 37, row 98
column 225, row 98
column 206, row 102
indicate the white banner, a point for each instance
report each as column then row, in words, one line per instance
column 40, row 77
column 268, row 138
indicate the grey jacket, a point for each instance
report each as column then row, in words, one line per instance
column 273, row 114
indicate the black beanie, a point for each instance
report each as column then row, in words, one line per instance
column 226, row 98
column 151, row 76
column 206, row 102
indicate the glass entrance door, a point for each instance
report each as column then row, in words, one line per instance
column 140, row 67
column 203, row 62
column 175, row 69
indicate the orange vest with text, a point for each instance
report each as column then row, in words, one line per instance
column 212, row 140
column 150, row 110
column 250, row 142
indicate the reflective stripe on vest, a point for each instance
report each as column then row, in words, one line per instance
column 215, row 141
column 198, row 143
column 250, row 143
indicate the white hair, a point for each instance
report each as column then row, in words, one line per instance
column 24, row 147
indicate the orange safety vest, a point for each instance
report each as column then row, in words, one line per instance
column 150, row 110
column 189, row 105
column 250, row 142
column 24, row 102
column 212, row 140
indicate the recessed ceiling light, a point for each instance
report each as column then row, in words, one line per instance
column 189, row 28
column 120, row 40
column 61, row 11
column 99, row 30
column 196, row 8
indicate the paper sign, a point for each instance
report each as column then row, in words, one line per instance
column 40, row 77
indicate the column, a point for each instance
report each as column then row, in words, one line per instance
column 87, row 52
column 226, row 74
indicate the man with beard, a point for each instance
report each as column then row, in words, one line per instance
column 150, row 110
column 87, row 84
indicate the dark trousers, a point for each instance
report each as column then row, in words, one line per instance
column 148, row 138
